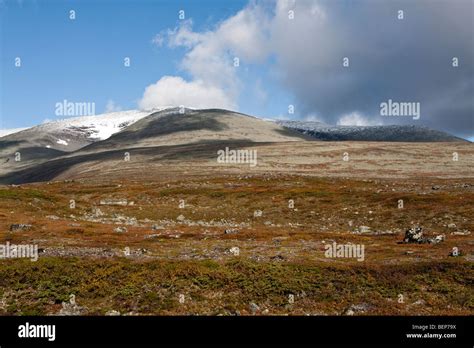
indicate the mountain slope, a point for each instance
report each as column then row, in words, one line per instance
column 49, row 140
column 170, row 127
column 5, row 132
column 396, row 133
column 163, row 135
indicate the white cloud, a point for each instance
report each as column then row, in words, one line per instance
column 183, row 35
column 356, row 119
column 313, row 118
column 385, row 54
column 209, row 61
column 112, row 107
column 174, row 91
column 158, row 40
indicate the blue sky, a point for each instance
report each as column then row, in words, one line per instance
column 283, row 61
column 82, row 59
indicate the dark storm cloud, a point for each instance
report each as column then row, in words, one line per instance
column 405, row 60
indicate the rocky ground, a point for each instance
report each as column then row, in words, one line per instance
column 239, row 244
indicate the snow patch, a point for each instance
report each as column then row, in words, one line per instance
column 4, row 132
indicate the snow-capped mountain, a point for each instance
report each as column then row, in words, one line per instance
column 69, row 134
column 48, row 150
column 72, row 133
column 5, row 132
column 169, row 133
column 49, row 140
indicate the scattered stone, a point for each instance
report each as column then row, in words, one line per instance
column 152, row 236
column 71, row 308
column 414, row 235
column 277, row 258
column 452, row 225
column 461, row 233
column 112, row 313
column 357, row 309
column 52, row 217
column 97, row 212
column 120, row 229
column 20, row 227
column 157, row 227
column 438, row 239
column 364, row 229
column 409, row 252
column 180, row 218
column 435, row 187
column 254, row 308
column 231, row 231
column 234, row 251
column 111, row 201
column 131, row 221
column 418, row 303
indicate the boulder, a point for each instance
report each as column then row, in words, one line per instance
column 111, row 201
column 234, row 251
column 364, row 229
column 19, row 227
column 414, row 235
column 254, row 308
column 120, row 229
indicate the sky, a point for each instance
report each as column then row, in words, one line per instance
column 332, row 61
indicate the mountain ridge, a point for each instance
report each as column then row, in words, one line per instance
column 394, row 133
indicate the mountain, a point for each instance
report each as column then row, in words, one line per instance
column 171, row 141
column 396, row 133
column 170, row 127
column 73, row 133
column 165, row 134
column 49, row 140
column 5, row 132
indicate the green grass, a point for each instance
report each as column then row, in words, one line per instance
column 153, row 287
column 22, row 194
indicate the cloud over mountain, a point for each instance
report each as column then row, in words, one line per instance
column 305, row 42
column 175, row 91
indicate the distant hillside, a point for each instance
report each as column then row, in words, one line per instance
column 408, row 133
